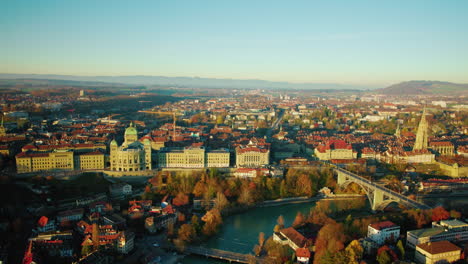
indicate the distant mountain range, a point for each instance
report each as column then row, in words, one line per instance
column 409, row 87
column 194, row 82
column 425, row 87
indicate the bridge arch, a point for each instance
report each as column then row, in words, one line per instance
column 378, row 195
column 369, row 194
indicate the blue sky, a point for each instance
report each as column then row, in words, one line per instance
column 368, row 42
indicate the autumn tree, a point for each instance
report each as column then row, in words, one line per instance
column 280, row 221
column 181, row 199
column 401, row 249
column 186, row 233
column 330, row 238
column 221, row 202
column 246, row 196
column 304, row 185
column 384, row 258
column 261, row 239
column 170, row 229
column 212, row 220
column 354, row 252
column 439, row 213
column 299, row 220
column 455, row 214
column 195, row 221
column 199, row 189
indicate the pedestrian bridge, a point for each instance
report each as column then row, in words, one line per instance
column 378, row 195
column 229, row 256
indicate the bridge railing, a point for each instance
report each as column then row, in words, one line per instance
column 388, row 191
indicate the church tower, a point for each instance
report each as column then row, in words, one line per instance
column 421, row 135
column 2, row 129
column 398, row 131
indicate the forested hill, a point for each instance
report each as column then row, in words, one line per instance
column 425, row 87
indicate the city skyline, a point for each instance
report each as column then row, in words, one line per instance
column 357, row 43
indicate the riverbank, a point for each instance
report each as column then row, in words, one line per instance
column 294, row 200
column 443, row 195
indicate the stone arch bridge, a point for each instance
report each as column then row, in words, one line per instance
column 378, row 195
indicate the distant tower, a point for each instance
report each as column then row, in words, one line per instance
column 421, row 135
column 398, row 131
column 82, row 93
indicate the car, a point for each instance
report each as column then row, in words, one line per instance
column 155, row 245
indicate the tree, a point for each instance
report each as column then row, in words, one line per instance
column 334, row 258
column 199, row 189
column 245, row 197
column 261, row 239
column 280, row 221
column 277, row 228
column 401, row 249
column 186, row 233
column 195, row 223
column 181, row 199
column 212, row 220
column 257, row 250
column 455, row 214
column 354, row 252
column 299, row 220
column 283, row 189
column 439, row 213
column 330, row 238
column 384, row 258
column 85, row 250
column 304, row 185
column 221, row 201
column 170, row 229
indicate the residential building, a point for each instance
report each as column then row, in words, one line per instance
column 193, row 157
column 252, row 155
column 219, row 158
column 89, row 160
column 289, row 236
column 70, row 215
column 43, row 161
column 125, row 242
column 437, row 252
column 335, row 149
column 188, row 157
column 155, row 223
column 383, row 231
column 303, row 255
column 450, row 230
column 60, row 158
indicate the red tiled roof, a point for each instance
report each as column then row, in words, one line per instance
column 383, row 225
column 302, row 253
column 438, row 247
column 294, row 236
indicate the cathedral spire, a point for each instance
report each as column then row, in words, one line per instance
column 398, row 130
column 421, row 135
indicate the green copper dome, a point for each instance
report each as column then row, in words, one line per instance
column 131, row 130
